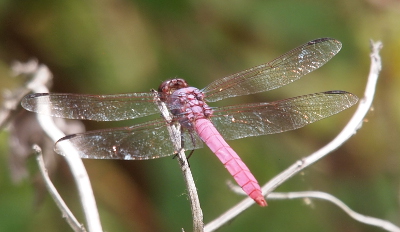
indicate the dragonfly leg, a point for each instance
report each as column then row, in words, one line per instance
column 190, row 154
column 187, row 158
column 176, row 154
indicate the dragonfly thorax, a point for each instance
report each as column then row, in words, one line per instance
column 188, row 105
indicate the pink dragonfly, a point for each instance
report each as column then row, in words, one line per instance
column 199, row 122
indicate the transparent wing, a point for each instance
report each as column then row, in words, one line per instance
column 241, row 121
column 91, row 107
column 191, row 140
column 281, row 71
column 140, row 142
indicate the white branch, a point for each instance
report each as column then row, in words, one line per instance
column 40, row 77
column 67, row 214
column 325, row 196
column 349, row 130
column 386, row 225
column 197, row 213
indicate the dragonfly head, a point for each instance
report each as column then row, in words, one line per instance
column 170, row 86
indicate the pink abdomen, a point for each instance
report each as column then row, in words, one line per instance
column 209, row 134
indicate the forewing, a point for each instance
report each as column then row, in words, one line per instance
column 140, row 142
column 91, row 107
column 281, row 71
column 240, row 121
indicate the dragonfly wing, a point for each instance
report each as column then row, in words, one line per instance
column 144, row 141
column 140, row 142
column 92, row 107
column 240, row 121
column 281, row 71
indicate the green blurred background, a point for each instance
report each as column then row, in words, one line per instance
column 105, row 47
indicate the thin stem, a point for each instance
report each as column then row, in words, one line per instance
column 386, row 225
column 67, row 214
column 175, row 135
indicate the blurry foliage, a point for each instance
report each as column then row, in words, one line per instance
column 132, row 46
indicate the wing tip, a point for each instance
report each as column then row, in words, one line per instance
column 57, row 145
column 67, row 137
column 319, row 40
column 25, row 103
column 332, row 40
column 353, row 96
column 350, row 98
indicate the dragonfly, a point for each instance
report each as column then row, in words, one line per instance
column 200, row 123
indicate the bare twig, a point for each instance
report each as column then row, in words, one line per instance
column 350, row 129
column 67, row 214
column 174, row 132
column 325, row 196
column 386, row 225
column 41, row 76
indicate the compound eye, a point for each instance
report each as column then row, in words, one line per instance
column 169, row 86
